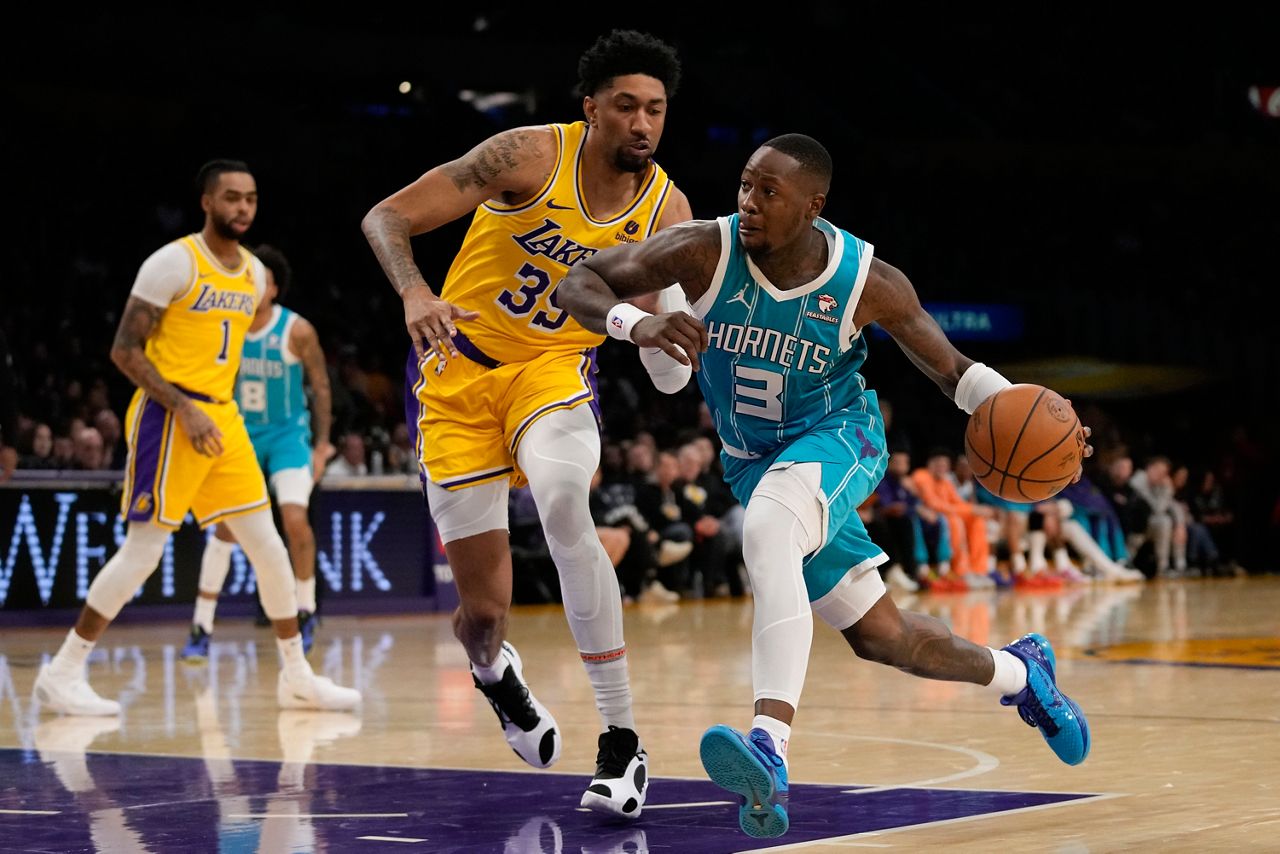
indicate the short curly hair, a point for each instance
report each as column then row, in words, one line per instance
column 627, row 52
column 281, row 271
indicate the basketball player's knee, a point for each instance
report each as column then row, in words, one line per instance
column 563, row 508
column 880, row 641
column 127, row 570
column 483, row 616
column 296, row 527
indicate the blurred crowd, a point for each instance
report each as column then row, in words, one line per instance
column 673, row 530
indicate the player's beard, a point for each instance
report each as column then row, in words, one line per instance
column 224, row 228
column 627, row 162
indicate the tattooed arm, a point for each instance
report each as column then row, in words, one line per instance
column 687, row 255
column 305, row 343
column 510, row 167
column 129, row 355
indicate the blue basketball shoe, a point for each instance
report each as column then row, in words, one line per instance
column 749, row 767
column 307, row 628
column 197, row 648
column 1042, row 705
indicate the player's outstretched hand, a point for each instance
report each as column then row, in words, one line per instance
column 205, row 436
column 430, row 321
column 681, row 336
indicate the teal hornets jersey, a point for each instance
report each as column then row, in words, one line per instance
column 269, row 388
column 780, row 363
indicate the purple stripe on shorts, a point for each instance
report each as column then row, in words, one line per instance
column 593, row 367
column 412, row 376
column 146, row 461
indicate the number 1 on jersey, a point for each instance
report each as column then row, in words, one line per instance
column 226, row 342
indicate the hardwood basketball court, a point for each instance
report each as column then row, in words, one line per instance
column 1180, row 682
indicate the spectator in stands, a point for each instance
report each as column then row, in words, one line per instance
column 402, row 457
column 966, row 522
column 88, row 450
column 64, row 452
column 702, row 504
column 113, row 450
column 40, row 453
column 1166, row 528
column 660, row 505
column 1130, row 509
column 1202, row 551
column 1098, row 517
column 8, row 460
column 1211, row 508
column 625, row 536
column 350, row 461
column 895, row 523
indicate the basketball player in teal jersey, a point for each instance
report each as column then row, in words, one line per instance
column 780, row 298
column 279, row 350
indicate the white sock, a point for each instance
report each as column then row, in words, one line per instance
column 778, row 731
column 491, row 674
column 307, row 594
column 1011, row 673
column 295, row 660
column 612, row 689
column 204, row 613
column 73, row 654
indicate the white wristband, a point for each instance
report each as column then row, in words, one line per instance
column 978, row 383
column 622, row 317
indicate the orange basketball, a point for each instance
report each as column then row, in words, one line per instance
column 1024, row 443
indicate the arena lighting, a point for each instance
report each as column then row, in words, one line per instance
column 1266, row 100
column 405, row 87
column 486, row 102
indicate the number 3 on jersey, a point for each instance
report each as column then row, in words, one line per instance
column 519, row 302
column 763, row 398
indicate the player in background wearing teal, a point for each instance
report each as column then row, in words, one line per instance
column 780, row 298
column 279, row 350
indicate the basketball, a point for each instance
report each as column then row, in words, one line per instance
column 1024, row 443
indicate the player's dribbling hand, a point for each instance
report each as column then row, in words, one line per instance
column 430, row 321
column 320, row 456
column 1085, row 452
column 681, row 336
column 205, row 436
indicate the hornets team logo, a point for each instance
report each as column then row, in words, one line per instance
column 143, row 503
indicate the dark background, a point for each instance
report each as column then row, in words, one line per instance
column 1108, row 176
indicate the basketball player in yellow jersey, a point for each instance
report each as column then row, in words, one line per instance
column 179, row 340
column 505, row 386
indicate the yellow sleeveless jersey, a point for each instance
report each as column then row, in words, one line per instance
column 197, row 343
column 513, row 257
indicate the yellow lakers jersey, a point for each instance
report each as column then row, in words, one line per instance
column 197, row 343
column 513, row 257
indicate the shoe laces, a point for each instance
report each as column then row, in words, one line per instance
column 1035, row 714
column 618, row 746
column 510, row 700
column 763, row 742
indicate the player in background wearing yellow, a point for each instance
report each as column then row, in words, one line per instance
column 281, row 349
column 180, row 340
column 505, row 389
